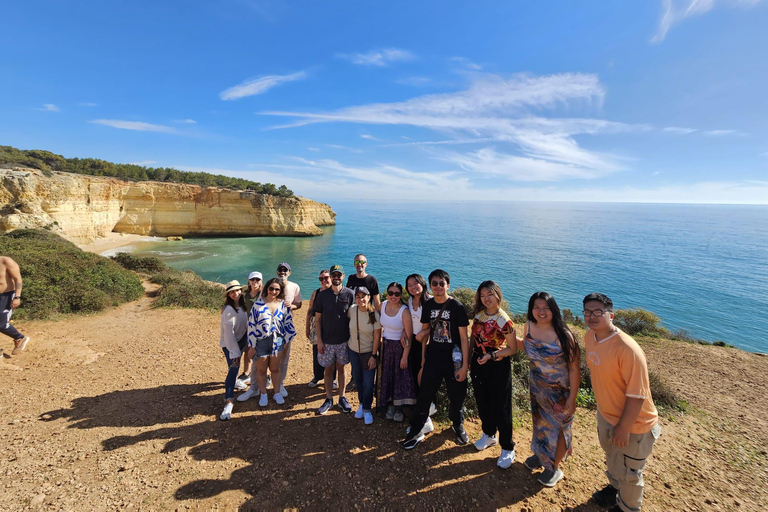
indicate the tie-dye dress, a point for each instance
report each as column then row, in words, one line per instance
column 550, row 387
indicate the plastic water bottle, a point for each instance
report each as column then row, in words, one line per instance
column 457, row 359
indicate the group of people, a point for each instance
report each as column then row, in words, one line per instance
column 401, row 352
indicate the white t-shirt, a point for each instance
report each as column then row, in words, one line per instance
column 292, row 293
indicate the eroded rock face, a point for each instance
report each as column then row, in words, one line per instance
column 87, row 207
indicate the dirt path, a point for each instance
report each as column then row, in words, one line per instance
column 119, row 410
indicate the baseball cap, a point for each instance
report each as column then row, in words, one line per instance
column 254, row 275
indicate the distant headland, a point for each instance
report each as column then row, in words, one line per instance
column 84, row 207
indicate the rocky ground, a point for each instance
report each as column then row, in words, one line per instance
column 119, row 411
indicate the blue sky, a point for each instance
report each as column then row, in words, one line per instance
column 642, row 101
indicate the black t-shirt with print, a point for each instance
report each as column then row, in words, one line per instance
column 333, row 307
column 446, row 332
column 368, row 281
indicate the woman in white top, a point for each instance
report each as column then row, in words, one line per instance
column 396, row 381
column 232, row 339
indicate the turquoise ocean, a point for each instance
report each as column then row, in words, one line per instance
column 701, row 268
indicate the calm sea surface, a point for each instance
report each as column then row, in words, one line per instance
column 702, row 268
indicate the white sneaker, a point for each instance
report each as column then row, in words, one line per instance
column 485, row 442
column 283, row 391
column 227, row 412
column 249, row 393
column 368, row 418
column 428, row 427
column 359, row 413
column 269, row 381
column 240, row 385
column 335, row 384
column 432, row 409
column 263, row 400
column 506, row 459
column 279, row 400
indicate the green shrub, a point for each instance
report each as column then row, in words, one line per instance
column 146, row 265
column 179, row 289
column 572, row 319
column 638, row 321
column 663, row 396
column 59, row 278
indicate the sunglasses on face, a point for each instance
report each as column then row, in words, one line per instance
column 335, row 276
column 393, row 293
column 595, row 312
column 323, row 278
column 441, row 284
column 282, row 270
column 360, row 262
column 274, row 289
column 255, row 279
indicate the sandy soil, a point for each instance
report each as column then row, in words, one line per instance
column 113, row 241
column 119, row 410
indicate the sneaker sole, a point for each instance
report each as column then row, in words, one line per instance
column 551, row 484
column 20, row 348
column 411, row 447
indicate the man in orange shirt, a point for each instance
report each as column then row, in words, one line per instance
column 627, row 420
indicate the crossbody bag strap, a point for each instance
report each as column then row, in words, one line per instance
column 357, row 322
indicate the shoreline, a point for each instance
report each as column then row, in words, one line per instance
column 107, row 245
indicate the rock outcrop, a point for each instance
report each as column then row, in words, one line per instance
column 87, row 207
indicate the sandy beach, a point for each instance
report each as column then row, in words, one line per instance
column 107, row 245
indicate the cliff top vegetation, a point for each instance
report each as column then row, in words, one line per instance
column 47, row 161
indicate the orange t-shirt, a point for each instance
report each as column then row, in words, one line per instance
column 619, row 370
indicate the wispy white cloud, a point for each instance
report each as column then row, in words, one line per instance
column 466, row 63
column 379, row 57
column 501, row 110
column 721, row 133
column 313, row 149
column 185, row 121
column 330, row 179
column 676, row 130
column 259, row 85
column 415, row 81
column 48, row 107
column 368, row 137
column 675, row 11
column 144, row 162
column 135, row 126
column 87, row 104
column 516, row 168
column 345, row 148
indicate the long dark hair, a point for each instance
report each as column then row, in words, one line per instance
column 395, row 284
column 492, row 287
column 564, row 334
column 240, row 304
column 423, row 282
column 265, row 288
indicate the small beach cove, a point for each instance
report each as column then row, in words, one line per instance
column 119, row 410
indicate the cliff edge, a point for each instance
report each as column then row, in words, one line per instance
column 83, row 208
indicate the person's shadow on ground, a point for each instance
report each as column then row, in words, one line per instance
column 299, row 460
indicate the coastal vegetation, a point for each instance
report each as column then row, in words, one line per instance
column 47, row 161
column 179, row 289
column 59, row 278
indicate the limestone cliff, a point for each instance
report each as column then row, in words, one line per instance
column 87, row 207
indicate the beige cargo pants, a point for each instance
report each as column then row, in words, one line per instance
column 625, row 464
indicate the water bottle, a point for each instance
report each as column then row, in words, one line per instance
column 457, row 359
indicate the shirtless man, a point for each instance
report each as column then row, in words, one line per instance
column 10, row 298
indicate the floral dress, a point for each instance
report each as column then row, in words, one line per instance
column 550, row 388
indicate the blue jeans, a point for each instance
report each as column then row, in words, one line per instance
column 234, row 368
column 364, row 380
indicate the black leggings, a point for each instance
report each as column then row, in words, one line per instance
column 492, row 384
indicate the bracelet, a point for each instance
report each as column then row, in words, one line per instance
column 494, row 357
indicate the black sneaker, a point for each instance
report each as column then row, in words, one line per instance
column 410, row 444
column 325, row 407
column 605, row 497
column 344, row 405
column 461, row 434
